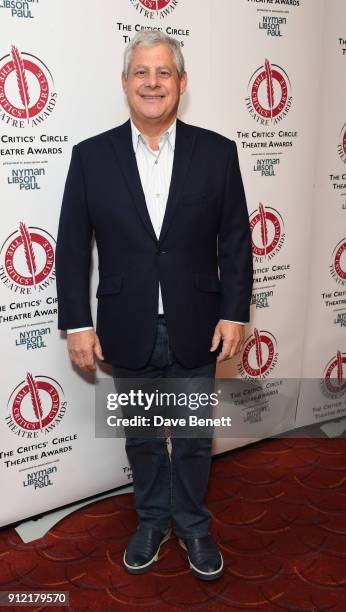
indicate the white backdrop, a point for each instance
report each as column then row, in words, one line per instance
column 266, row 74
column 323, row 392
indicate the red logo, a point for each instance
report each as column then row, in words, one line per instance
column 35, row 405
column 154, row 8
column 338, row 265
column 155, row 5
column 27, row 95
column 267, row 231
column 342, row 144
column 269, row 100
column 259, row 355
column 27, row 260
column 334, row 383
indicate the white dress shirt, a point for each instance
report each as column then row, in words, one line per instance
column 155, row 171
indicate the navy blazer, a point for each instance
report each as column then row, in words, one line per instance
column 202, row 259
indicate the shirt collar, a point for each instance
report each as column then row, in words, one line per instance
column 137, row 135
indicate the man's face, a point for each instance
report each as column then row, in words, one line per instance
column 153, row 87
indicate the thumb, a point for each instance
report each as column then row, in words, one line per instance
column 216, row 340
column 98, row 349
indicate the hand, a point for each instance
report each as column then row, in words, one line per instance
column 232, row 335
column 82, row 346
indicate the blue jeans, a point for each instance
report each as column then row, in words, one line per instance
column 170, row 489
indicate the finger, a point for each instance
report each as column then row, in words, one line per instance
column 226, row 348
column 235, row 346
column 82, row 353
column 98, row 350
column 83, row 360
column 215, row 341
column 82, row 365
column 239, row 348
column 223, row 358
column 88, row 362
column 86, row 368
column 233, row 351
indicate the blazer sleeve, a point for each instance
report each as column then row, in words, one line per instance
column 234, row 246
column 73, row 251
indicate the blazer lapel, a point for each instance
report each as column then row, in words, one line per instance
column 121, row 139
column 184, row 144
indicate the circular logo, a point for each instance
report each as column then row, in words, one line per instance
column 259, row 355
column 36, row 405
column 338, row 265
column 342, row 143
column 27, row 94
column 27, row 259
column 269, row 98
column 154, row 8
column 267, row 231
column 334, row 383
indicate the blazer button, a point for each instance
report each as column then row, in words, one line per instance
column 161, row 252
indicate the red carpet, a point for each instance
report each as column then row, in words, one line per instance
column 279, row 515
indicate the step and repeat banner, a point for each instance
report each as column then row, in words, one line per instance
column 323, row 390
column 265, row 73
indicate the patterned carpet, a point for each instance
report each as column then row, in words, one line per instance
column 279, row 516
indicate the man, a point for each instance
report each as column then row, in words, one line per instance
column 166, row 204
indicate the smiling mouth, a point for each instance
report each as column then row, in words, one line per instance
column 152, row 97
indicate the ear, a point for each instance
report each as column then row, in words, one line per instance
column 183, row 82
column 124, row 82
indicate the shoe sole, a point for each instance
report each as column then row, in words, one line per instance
column 146, row 567
column 198, row 573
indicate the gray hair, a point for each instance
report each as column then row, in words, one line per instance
column 149, row 39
